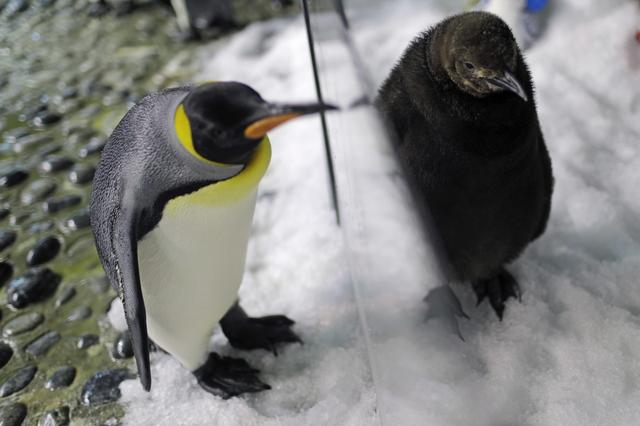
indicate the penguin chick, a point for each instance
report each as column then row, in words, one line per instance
column 461, row 102
column 171, row 209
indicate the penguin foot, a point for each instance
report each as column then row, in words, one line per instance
column 248, row 333
column 260, row 333
column 444, row 304
column 498, row 289
column 227, row 377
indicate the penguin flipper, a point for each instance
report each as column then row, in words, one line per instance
column 547, row 181
column 125, row 247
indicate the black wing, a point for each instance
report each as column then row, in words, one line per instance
column 547, row 182
column 125, row 250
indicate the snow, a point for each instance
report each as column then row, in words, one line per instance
column 115, row 315
column 568, row 354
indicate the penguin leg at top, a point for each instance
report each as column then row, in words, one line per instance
column 248, row 333
column 498, row 289
column 227, row 377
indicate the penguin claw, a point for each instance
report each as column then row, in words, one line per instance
column 498, row 289
column 481, row 289
column 227, row 377
column 444, row 304
column 274, row 320
column 261, row 333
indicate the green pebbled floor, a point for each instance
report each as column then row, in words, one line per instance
column 87, row 72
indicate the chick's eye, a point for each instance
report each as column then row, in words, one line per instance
column 469, row 66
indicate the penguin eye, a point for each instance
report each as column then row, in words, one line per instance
column 469, row 66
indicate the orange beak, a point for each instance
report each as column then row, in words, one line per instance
column 258, row 129
column 279, row 114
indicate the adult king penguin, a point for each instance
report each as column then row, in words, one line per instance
column 171, row 209
column 461, row 102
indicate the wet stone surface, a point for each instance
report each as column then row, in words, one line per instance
column 103, row 386
column 15, row 6
column 37, row 190
column 46, row 118
column 13, row 178
column 78, row 221
column 57, row 417
column 7, row 238
column 54, row 205
column 6, row 272
column 34, row 286
column 18, row 380
column 42, row 344
column 49, row 149
column 80, row 248
column 5, row 354
column 14, row 135
column 95, row 146
column 55, row 164
column 13, row 414
column 80, row 313
column 31, row 112
column 61, row 378
column 45, row 250
column 30, row 142
column 40, row 227
column 87, row 340
column 98, row 9
column 65, row 295
column 123, row 348
column 22, row 324
column 81, row 174
column 19, row 218
column 99, row 285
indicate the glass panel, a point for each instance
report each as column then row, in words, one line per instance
column 391, row 245
column 562, row 355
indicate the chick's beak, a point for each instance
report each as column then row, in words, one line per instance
column 510, row 83
column 274, row 115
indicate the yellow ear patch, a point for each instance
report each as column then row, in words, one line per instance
column 259, row 129
column 183, row 131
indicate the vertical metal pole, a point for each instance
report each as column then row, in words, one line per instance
column 323, row 120
column 342, row 13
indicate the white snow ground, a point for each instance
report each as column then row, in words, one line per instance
column 569, row 354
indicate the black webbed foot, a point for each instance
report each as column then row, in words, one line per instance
column 498, row 289
column 444, row 304
column 248, row 333
column 227, row 377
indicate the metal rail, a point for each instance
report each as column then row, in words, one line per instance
column 323, row 120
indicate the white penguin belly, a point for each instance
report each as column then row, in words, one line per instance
column 191, row 267
column 191, row 264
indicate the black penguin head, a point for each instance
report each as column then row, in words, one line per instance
column 480, row 55
column 229, row 119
